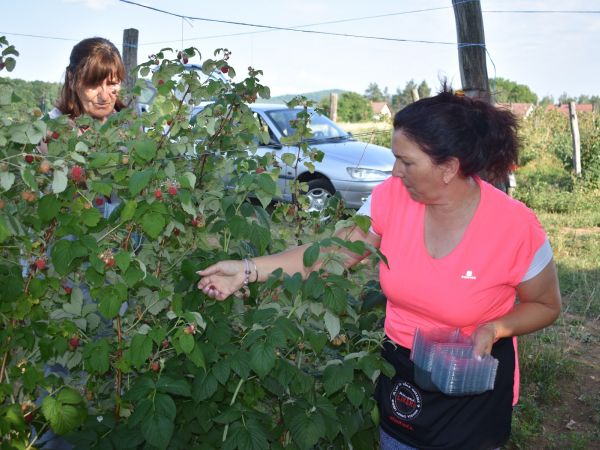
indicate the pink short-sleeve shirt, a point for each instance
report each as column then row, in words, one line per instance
column 472, row 285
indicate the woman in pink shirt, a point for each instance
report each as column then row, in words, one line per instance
column 459, row 252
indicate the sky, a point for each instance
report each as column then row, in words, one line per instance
column 552, row 53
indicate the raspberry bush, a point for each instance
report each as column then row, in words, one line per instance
column 105, row 339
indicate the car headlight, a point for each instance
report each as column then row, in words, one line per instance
column 360, row 173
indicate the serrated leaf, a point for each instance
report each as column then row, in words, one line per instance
column 248, row 435
column 64, row 252
column 306, row 429
column 139, row 180
column 96, row 355
column 187, row 342
column 157, row 430
column 90, row 217
column 140, row 350
column 173, row 386
column 64, row 415
column 6, row 180
column 48, row 207
column 128, row 210
column 332, row 324
column 204, row 386
column 355, row 394
column 145, row 149
column 288, row 158
column 123, row 260
column 153, row 223
column 262, row 358
column 311, row 254
column 336, row 376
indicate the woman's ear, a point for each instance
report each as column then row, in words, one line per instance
column 450, row 169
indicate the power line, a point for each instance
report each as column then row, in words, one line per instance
column 297, row 30
column 39, row 36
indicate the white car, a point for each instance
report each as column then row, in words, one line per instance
column 349, row 167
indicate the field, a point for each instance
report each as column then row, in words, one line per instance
column 560, row 366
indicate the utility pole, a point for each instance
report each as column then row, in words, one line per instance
column 471, row 49
column 130, row 48
column 333, row 102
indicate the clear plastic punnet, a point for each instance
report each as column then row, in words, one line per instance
column 444, row 361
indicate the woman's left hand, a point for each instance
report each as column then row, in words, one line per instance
column 484, row 338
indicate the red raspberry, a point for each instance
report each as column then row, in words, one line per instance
column 40, row 263
column 74, row 342
column 225, row 69
column 29, row 159
column 158, row 194
column 77, row 173
column 99, row 201
column 172, row 190
column 55, row 135
column 155, row 367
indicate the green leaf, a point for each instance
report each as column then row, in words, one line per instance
column 157, row 430
column 48, row 207
column 187, row 342
column 153, row 223
column 139, row 180
column 336, row 376
column 64, row 253
column 101, row 188
column 205, row 385
column 96, row 355
column 288, row 158
column 306, row 428
column 123, row 260
column 65, row 412
column 142, row 387
column 90, row 217
column 355, row 394
column 110, row 300
column 332, row 324
column 140, row 350
column 262, row 358
column 145, row 149
column 128, row 210
column 59, row 181
column 249, row 435
column 5, row 231
column 334, row 299
column 173, row 386
column 363, row 222
column 6, row 180
column 311, row 254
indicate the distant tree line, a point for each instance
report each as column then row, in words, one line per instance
column 352, row 107
column 38, row 94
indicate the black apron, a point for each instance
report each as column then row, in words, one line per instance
column 433, row 420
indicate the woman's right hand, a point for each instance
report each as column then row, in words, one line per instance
column 222, row 279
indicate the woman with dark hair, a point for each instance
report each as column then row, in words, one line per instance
column 92, row 81
column 459, row 252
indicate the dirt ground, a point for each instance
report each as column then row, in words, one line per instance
column 573, row 422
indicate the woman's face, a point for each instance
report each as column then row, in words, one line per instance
column 422, row 178
column 99, row 101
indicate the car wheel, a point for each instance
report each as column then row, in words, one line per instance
column 319, row 190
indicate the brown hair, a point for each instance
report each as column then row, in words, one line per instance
column 92, row 61
column 481, row 136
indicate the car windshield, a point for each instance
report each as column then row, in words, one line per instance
column 322, row 128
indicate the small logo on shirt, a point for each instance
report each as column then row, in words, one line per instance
column 468, row 275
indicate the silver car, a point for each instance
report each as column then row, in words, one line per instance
column 349, row 167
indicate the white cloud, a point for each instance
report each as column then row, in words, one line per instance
column 97, row 5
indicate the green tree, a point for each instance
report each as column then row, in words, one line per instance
column 507, row 91
column 547, row 100
column 404, row 97
column 374, row 93
column 353, row 107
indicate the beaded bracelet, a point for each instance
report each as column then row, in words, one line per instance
column 247, row 272
column 255, row 269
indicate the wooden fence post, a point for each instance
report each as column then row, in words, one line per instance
column 414, row 93
column 130, row 48
column 471, row 49
column 333, row 106
column 575, row 138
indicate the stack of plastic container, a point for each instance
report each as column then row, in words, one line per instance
column 444, row 361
